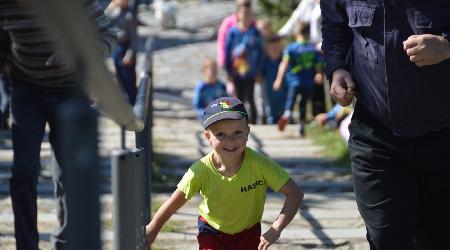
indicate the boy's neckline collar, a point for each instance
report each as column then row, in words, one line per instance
column 301, row 41
column 210, row 83
column 244, row 29
column 243, row 163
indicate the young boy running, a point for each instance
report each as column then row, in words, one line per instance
column 232, row 180
column 209, row 88
column 302, row 64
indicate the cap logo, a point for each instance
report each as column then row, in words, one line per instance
column 223, row 108
column 225, row 105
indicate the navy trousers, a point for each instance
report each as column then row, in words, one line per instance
column 245, row 92
column 305, row 92
column 32, row 107
column 126, row 74
column 402, row 185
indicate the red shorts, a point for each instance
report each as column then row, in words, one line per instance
column 212, row 239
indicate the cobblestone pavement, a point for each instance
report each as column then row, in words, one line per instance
column 328, row 219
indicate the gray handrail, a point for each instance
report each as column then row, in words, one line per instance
column 141, row 105
column 70, row 28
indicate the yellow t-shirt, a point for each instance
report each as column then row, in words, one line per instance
column 233, row 204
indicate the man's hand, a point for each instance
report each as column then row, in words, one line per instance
column 57, row 59
column 268, row 238
column 426, row 49
column 343, row 88
column 128, row 59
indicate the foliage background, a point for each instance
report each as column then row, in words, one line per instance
column 278, row 11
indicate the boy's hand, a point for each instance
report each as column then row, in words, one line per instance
column 57, row 59
column 268, row 238
column 318, row 79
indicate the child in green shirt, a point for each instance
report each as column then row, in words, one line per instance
column 232, row 180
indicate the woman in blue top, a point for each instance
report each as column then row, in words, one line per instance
column 243, row 57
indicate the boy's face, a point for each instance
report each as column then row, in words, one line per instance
column 210, row 73
column 228, row 138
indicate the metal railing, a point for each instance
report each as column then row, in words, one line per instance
column 71, row 30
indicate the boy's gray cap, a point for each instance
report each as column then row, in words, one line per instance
column 223, row 108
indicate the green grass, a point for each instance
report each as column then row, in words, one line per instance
column 335, row 147
column 170, row 225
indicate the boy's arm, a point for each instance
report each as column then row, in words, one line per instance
column 294, row 197
column 280, row 74
column 169, row 207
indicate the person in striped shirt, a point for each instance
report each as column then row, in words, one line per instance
column 41, row 80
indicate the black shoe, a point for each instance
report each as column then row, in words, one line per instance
column 302, row 130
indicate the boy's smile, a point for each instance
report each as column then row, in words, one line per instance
column 228, row 138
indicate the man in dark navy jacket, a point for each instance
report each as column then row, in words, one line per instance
column 393, row 56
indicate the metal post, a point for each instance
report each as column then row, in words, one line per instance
column 123, row 138
column 143, row 109
column 144, row 138
column 144, row 142
column 81, row 174
column 128, row 184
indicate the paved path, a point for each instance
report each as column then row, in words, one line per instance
column 328, row 217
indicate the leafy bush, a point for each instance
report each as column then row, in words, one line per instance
column 278, row 11
column 278, row 8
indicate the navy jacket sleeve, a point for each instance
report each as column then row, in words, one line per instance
column 337, row 36
column 4, row 47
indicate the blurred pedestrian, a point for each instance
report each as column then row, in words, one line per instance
column 271, row 62
column 308, row 11
column 226, row 24
column 124, row 53
column 302, row 66
column 243, row 57
column 209, row 88
column 41, row 80
column 265, row 28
